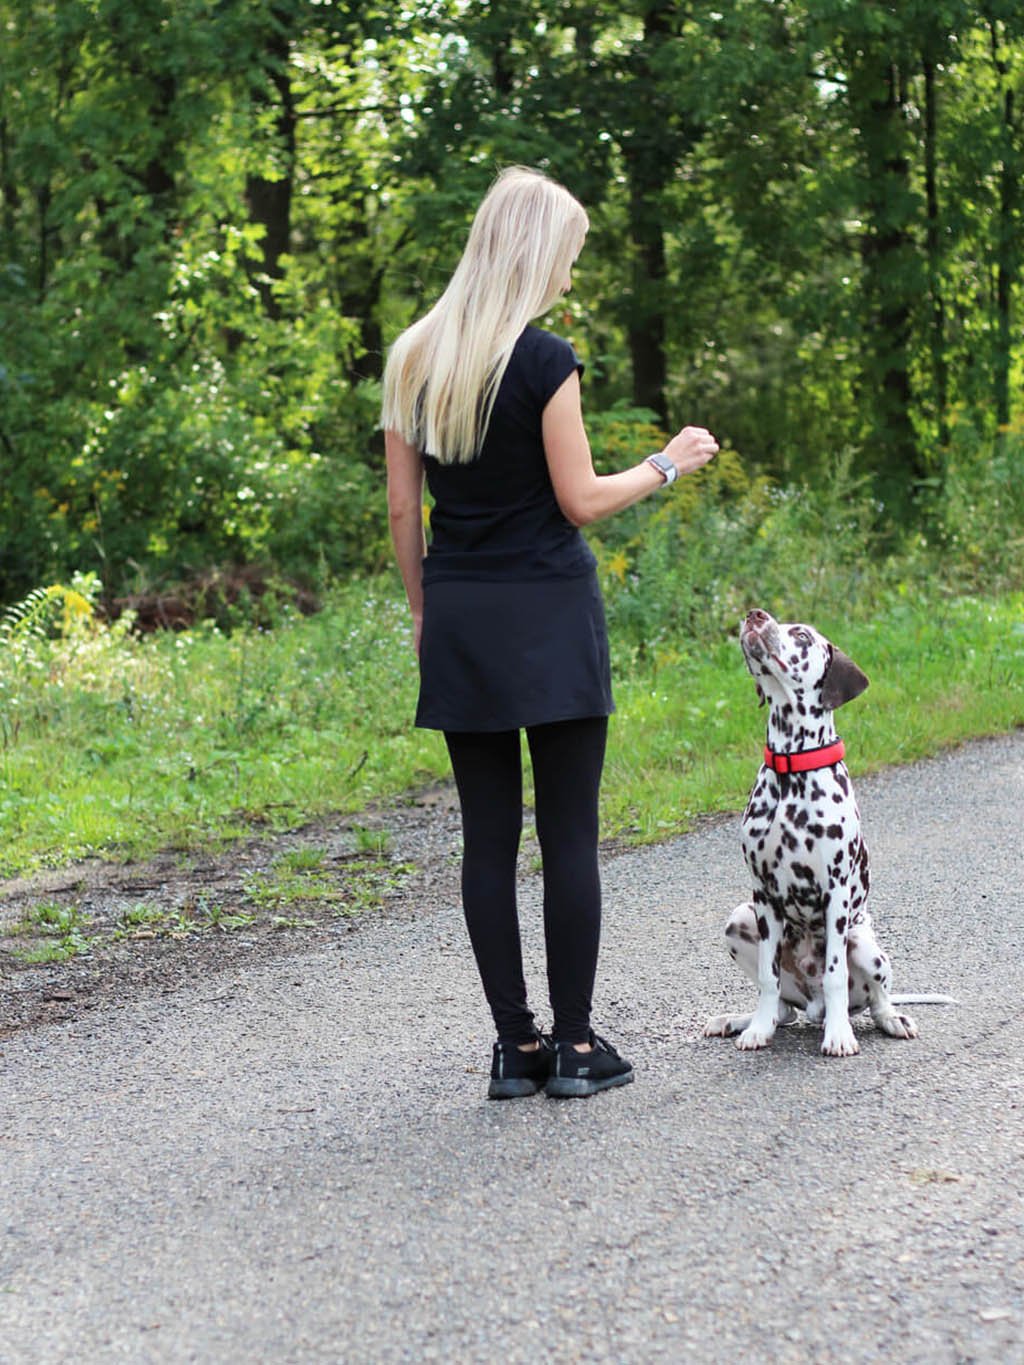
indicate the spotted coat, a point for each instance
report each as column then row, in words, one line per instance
column 805, row 936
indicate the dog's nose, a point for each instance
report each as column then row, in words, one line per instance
column 757, row 617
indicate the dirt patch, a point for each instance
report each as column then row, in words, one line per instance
column 215, row 594
column 128, row 929
column 155, row 926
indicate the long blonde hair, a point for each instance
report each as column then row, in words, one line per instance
column 443, row 372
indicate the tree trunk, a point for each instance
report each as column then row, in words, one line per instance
column 362, row 302
column 891, row 285
column 8, row 192
column 1007, row 255
column 44, row 197
column 940, row 369
column 157, row 177
column 269, row 199
column 646, row 329
column 649, row 169
column 1006, row 279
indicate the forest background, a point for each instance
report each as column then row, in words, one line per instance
column 214, row 217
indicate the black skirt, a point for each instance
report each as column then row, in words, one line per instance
column 500, row 656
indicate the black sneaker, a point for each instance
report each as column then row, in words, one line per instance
column 585, row 1073
column 515, row 1073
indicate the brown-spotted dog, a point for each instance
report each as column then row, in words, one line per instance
column 805, row 936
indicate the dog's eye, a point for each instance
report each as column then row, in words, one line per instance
column 802, row 637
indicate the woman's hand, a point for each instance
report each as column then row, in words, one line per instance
column 691, row 448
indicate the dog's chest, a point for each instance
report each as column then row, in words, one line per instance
column 801, row 839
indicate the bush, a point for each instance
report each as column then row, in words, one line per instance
column 221, row 440
column 684, row 568
column 687, row 566
column 977, row 519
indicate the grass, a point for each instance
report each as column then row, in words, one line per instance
column 293, row 878
column 57, row 933
column 114, row 747
column 194, row 916
column 687, row 735
column 302, row 879
column 299, row 876
column 141, row 921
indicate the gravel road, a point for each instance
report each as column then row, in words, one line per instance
column 294, row 1161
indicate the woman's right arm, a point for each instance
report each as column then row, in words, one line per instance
column 405, row 515
column 585, row 496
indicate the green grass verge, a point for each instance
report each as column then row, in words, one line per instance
column 116, row 747
column 688, row 735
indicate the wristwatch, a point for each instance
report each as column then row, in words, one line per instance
column 664, row 465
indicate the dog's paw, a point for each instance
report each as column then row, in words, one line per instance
column 815, row 1010
column 725, row 1025
column 840, row 1041
column 754, row 1037
column 897, row 1025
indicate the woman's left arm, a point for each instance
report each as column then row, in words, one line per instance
column 405, row 515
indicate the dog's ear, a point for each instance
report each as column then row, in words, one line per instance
column 842, row 682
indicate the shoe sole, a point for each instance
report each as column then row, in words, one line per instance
column 512, row 1089
column 579, row 1087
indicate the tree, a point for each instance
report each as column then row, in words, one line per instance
column 805, row 232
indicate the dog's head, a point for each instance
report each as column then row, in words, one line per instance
column 793, row 662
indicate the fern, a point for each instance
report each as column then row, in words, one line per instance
column 33, row 616
column 27, row 617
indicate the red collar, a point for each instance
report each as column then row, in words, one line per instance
column 807, row 761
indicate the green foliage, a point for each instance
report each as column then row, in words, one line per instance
column 687, row 732
column 359, row 885
column 290, row 881
column 116, row 745
column 979, row 518
column 57, row 931
column 688, row 566
column 140, row 921
column 806, row 227
column 165, row 403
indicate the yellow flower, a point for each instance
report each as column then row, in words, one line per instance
column 617, row 564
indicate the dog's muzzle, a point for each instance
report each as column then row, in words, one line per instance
column 759, row 635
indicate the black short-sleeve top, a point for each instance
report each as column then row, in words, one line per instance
column 497, row 518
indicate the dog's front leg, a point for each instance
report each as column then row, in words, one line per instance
column 761, row 1029
column 839, row 1039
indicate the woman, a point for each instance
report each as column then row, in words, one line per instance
column 507, row 613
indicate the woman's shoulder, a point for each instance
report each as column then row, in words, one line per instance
column 536, row 341
column 544, row 359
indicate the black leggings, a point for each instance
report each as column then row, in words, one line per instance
column 567, row 758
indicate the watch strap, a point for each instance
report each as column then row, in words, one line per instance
column 664, row 465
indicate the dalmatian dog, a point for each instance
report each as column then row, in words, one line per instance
column 805, row 936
